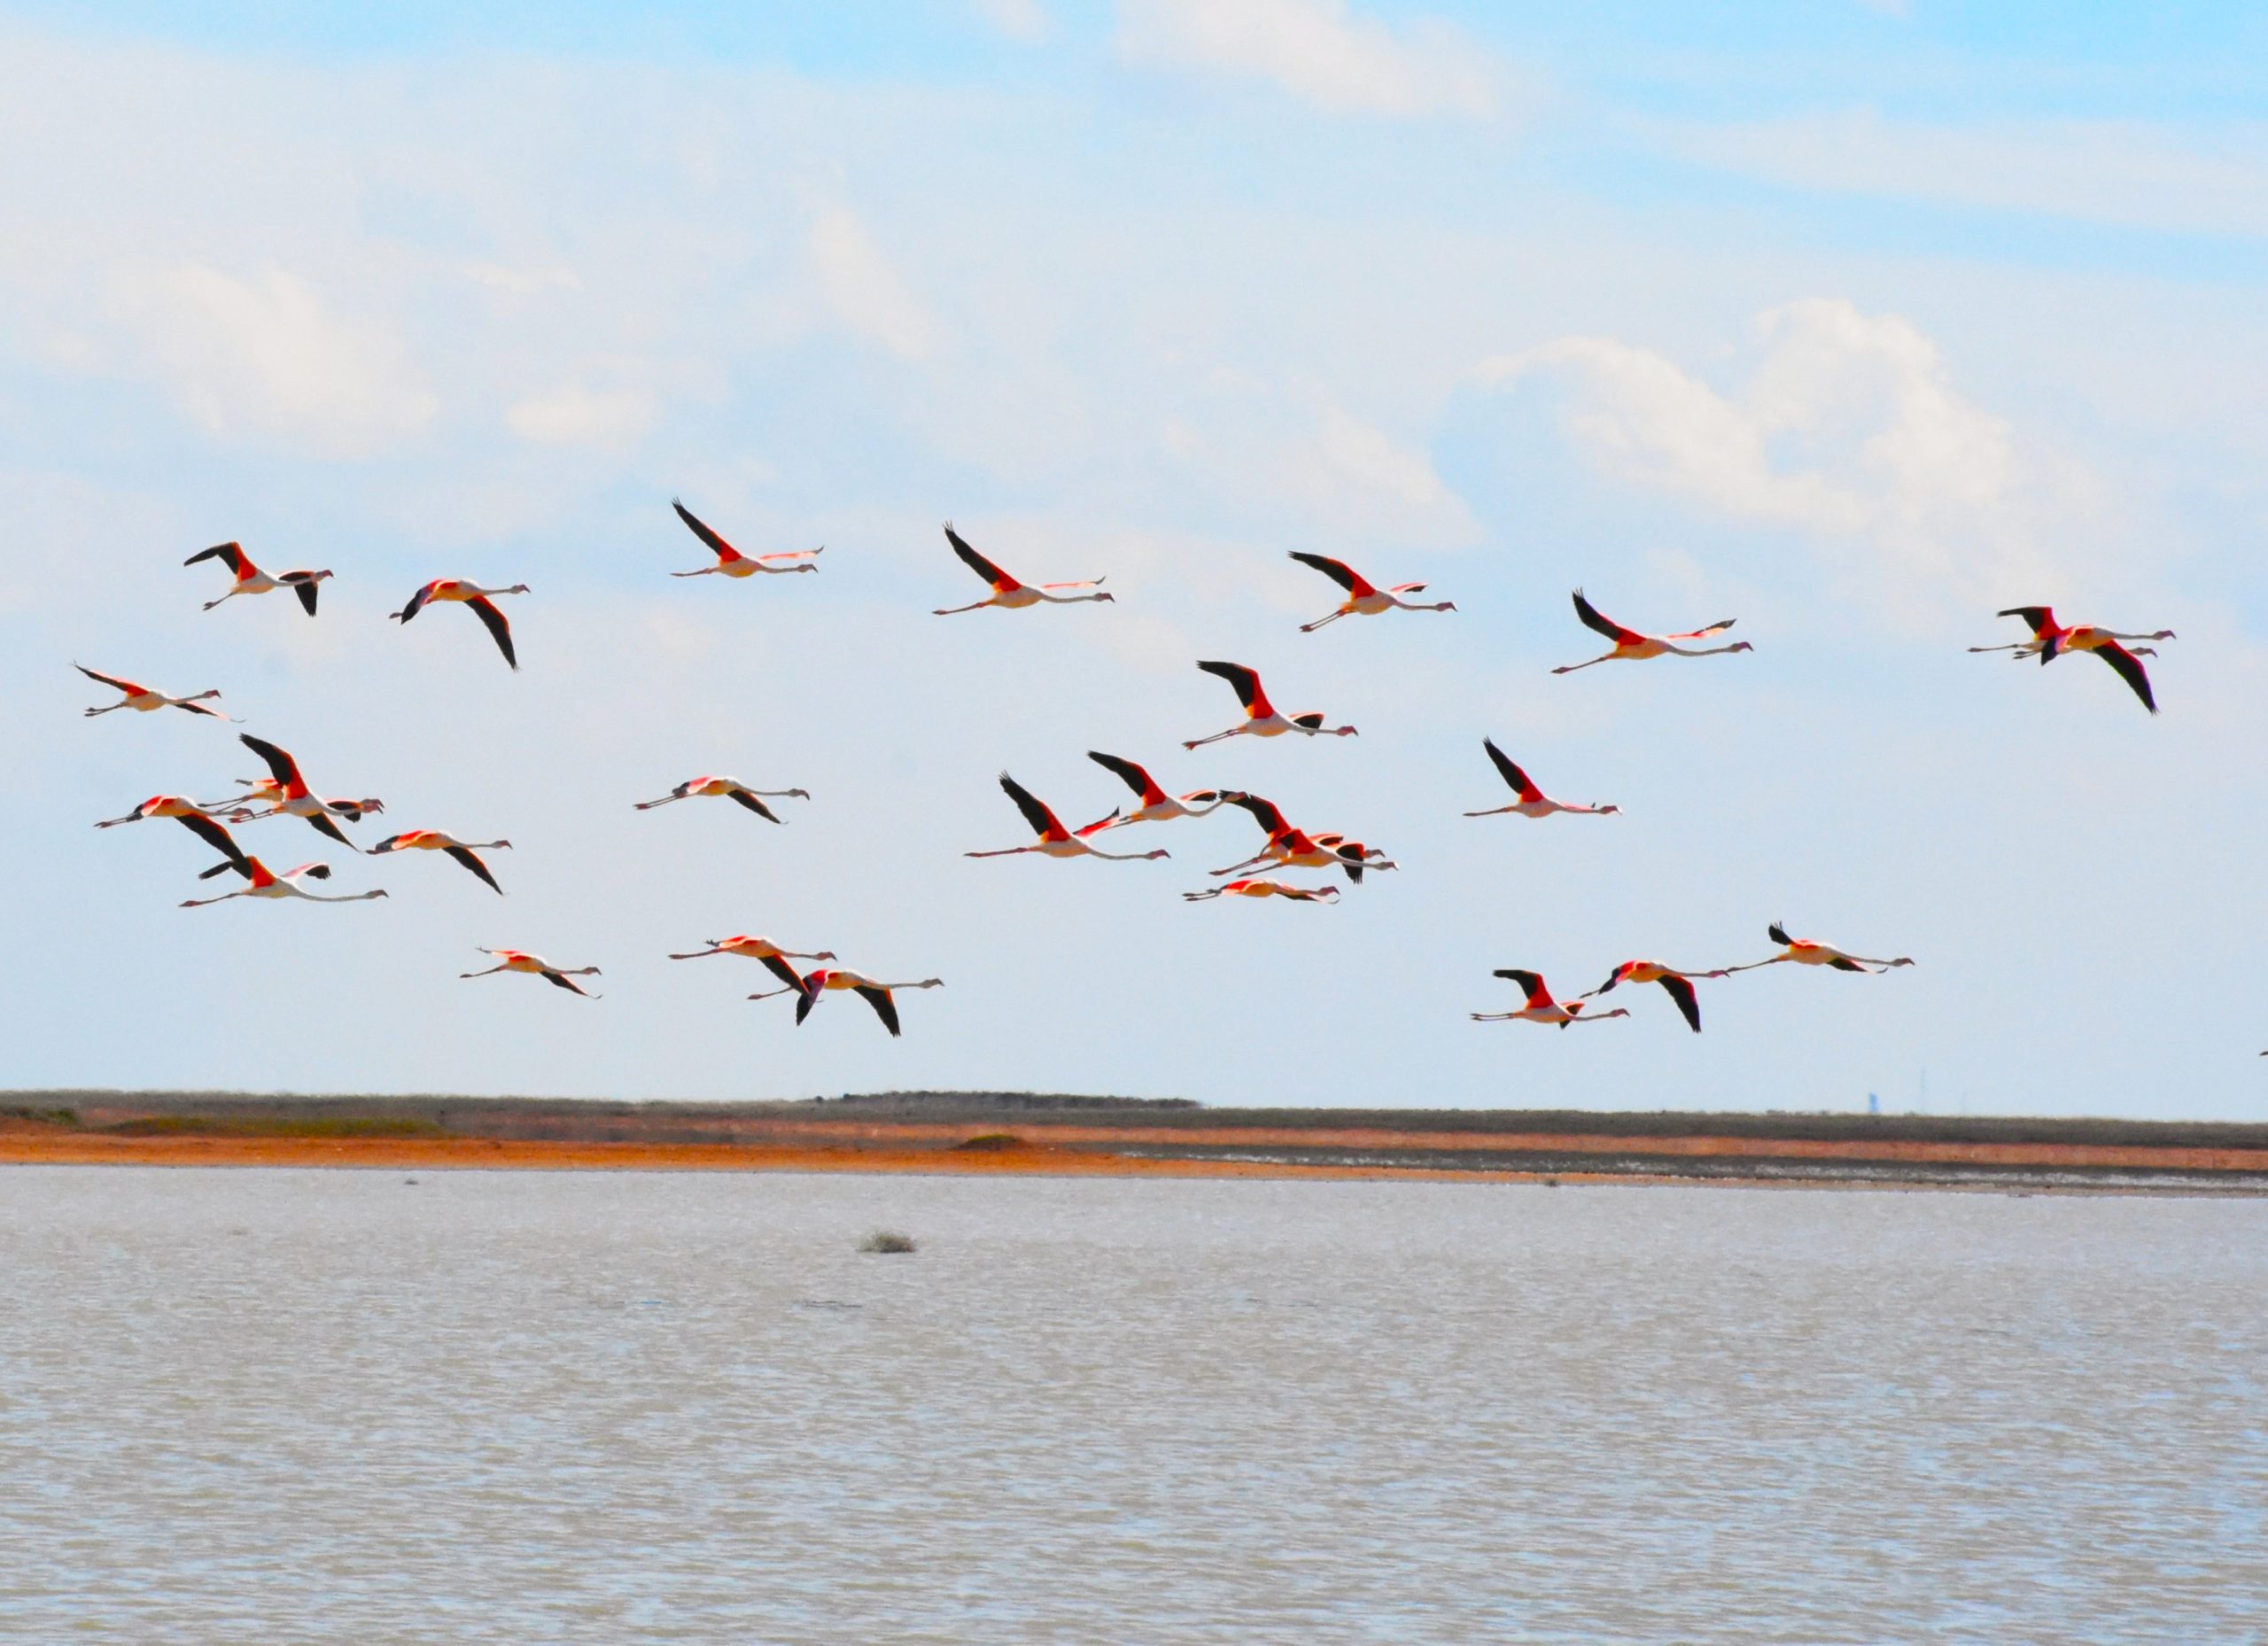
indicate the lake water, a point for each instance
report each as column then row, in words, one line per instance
column 530, row 1407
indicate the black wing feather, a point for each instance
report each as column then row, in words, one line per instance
column 1338, row 571
column 306, row 593
column 280, row 765
column 1127, row 772
column 1245, row 682
column 2130, row 669
column 494, row 620
column 1778, row 934
column 1038, row 815
column 1593, row 619
column 1506, row 767
column 976, row 562
column 1264, row 812
column 784, row 972
column 217, row 837
column 1680, row 989
column 885, row 1008
column 323, row 824
column 754, row 804
column 724, row 550
column 475, row 865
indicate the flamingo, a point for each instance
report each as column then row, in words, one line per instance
column 1296, row 849
column 434, row 840
column 1267, row 889
column 1803, row 952
column 1157, row 805
column 1533, row 802
column 878, row 996
column 286, row 792
column 473, row 596
column 141, row 698
column 1541, row 1007
column 1054, row 839
column 206, row 822
column 732, row 563
column 1008, row 594
column 521, row 961
column 775, row 957
column 265, row 883
column 1678, row 985
column 251, row 580
column 1261, row 719
column 2050, row 640
column 1364, row 598
column 729, row 788
column 1631, row 646
column 2041, row 620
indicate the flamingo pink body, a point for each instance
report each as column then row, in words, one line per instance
column 250, row 579
column 1631, row 646
column 1364, row 599
column 1539, row 1007
column 1009, row 595
column 732, row 563
column 1261, row 718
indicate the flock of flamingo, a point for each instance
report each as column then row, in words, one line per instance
column 284, row 792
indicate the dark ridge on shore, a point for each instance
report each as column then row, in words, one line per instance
column 666, row 1121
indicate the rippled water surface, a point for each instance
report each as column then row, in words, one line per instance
column 279, row 1405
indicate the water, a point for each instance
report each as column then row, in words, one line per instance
column 515, row 1407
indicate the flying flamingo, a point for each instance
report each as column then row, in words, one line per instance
column 1054, row 839
column 728, row 788
column 878, row 996
column 1364, row 598
column 732, row 563
column 286, row 792
column 141, row 698
column 1533, row 802
column 1541, row 1007
column 2050, row 640
column 1805, row 953
column 473, row 596
column 1157, row 805
column 204, row 822
column 434, row 840
column 1296, row 849
column 775, row 957
column 2041, row 620
column 1267, row 889
column 1008, row 593
column 1677, row 984
column 251, row 580
column 265, row 883
column 1261, row 719
column 521, row 961
column 1631, row 646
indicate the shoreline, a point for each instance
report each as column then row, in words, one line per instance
column 962, row 1134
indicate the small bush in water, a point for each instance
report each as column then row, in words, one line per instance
column 886, row 1240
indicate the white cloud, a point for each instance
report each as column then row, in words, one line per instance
column 1317, row 51
column 1847, row 428
column 523, row 281
column 2130, row 174
column 1266, row 450
column 864, row 291
column 266, row 357
column 607, row 420
column 1019, row 19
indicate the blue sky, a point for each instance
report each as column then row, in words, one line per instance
column 1855, row 323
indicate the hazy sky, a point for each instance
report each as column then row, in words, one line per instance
column 1854, row 323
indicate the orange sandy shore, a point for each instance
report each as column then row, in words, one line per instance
column 1061, row 1149
column 68, row 1148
